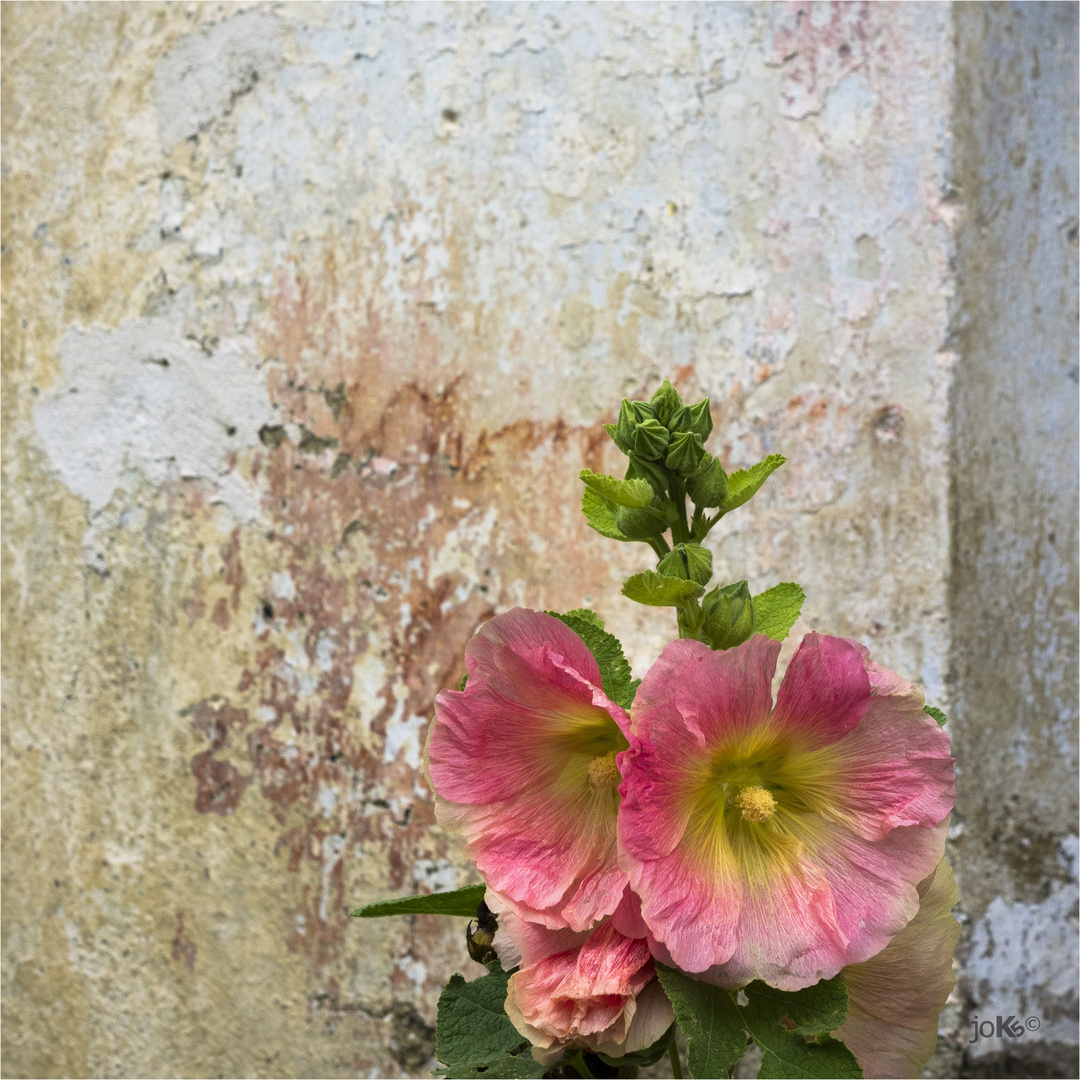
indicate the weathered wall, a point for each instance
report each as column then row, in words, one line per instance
column 1014, row 584
column 311, row 316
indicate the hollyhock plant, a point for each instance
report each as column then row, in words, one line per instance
column 894, row 998
column 523, row 763
column 594, row 989
column 780, row 843
column 684, row 852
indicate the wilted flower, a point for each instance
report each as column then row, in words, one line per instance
column 595, row 989
column 523, row 763
column 895, row 997
column 780, row 843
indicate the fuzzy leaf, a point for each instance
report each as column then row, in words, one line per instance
column 632, row 493
column 659, row 590
column 743, row 484
column 614, row 670
column 781, row 1021
column 600, row 515
column 776, row 610
column 587, row 614
column 474, row 1035
column 937, row 714
column 463, row 902
column 709, row 1018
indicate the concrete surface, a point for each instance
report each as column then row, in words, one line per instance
column 312, row 314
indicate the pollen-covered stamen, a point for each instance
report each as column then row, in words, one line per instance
column 603, row 772
column 755, row 803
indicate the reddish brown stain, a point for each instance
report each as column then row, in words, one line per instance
column 221, row 613
column 183, row 948
column 409, row 466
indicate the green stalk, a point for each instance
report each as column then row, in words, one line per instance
column 577, row 1062
column 680, row 531
column 676, row 1065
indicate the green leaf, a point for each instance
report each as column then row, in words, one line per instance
column 614, row 670
column 464, row 680
column 600, row 515
column 937, row 714
column 474, row 1035
column 632, row 493
column 743, row 484
column 781, row 1021
column 588, row 615
column 776, row 610
column 659, row 590
column 715, row 1038
column 463, row 902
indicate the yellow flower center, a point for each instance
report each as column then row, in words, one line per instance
column 603, row 772
column 755, row 803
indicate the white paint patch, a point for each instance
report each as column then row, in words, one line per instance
column 206, row 73
column 1023, row 961
column 142, row 397
column 438, row 875
column 283, row 585
column 403, row 735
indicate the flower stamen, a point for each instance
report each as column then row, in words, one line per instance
column 603, row 772
column 756, row 803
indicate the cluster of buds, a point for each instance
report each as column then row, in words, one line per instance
column 665, row 442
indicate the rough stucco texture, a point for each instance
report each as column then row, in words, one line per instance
column 1014, row 580
column 311, row 316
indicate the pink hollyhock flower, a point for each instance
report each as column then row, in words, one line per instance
column 523, row 763
column 779, row 843
column 895, row 997
column 595, row 989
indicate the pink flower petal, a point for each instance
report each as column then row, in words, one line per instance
column 571, row 992
column 825, row 691
column 895, row 997
column 509, row 759
column 779, row 846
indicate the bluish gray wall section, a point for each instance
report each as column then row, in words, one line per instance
column 1013, row 589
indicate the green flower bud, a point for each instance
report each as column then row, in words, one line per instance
column 641, row 410
column 664, row 402
column 622, row 433
column 650, row 440
column 697, row 418
column 639, row 524
column 709, row 487
column 701, row 419
column 685, row 452
column 729, row 615
column 689, row 561
column 653, row 471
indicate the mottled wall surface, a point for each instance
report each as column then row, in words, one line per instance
column 311, row 316
column 1014, row 576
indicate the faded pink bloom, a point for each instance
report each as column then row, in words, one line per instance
column 595, row 989
column 523, row 763
column 779, row 843
column 895, row 997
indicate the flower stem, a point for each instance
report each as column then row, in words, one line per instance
column 577, row 1061
column 676, row 1066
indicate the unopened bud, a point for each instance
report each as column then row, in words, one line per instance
column 685, row 453
column 691, row 562
column 665, row 402
column 729, row 615
column 708, row 487
column 696, row 418
column 651, row 440
column 622, row 433
column 639, row 524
